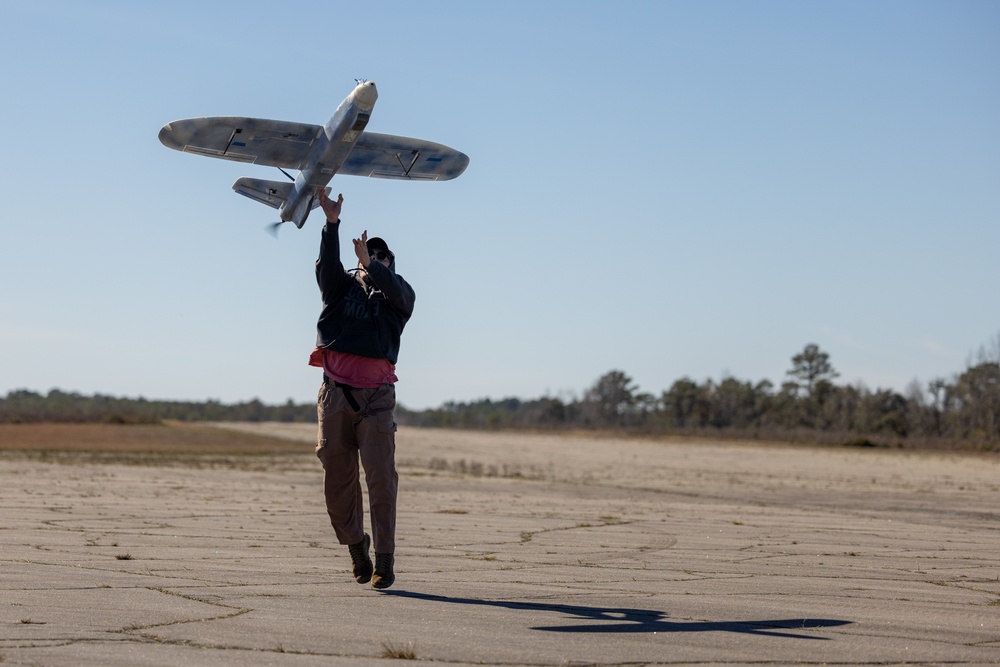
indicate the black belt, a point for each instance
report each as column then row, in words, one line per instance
column 346, row 388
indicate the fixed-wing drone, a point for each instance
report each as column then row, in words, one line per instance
column 317, row 151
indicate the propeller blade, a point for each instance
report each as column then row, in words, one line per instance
column 272, row 229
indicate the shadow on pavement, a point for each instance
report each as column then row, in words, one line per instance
column 636, row 620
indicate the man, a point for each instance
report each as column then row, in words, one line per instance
column 364, row 312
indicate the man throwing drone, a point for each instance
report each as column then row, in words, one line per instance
column 357, row 344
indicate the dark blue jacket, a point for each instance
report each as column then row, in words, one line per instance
column 360, row 318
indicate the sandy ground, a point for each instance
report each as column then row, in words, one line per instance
column 512, row 550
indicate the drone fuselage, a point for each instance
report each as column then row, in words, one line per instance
column 332, row 147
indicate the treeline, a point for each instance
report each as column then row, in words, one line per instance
column 58, row 406
column 961, row 412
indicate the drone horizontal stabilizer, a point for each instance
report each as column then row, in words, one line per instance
column 272, row 193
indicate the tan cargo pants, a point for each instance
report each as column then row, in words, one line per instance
column 359, row 422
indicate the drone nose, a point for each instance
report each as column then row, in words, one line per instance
column 365, row 93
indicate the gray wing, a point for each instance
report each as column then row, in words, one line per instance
column 274, row 143
column 389, row 156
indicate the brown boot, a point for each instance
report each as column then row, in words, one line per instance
column 361, row 560
column 383, row 576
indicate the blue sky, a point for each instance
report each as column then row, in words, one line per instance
column 670, row 189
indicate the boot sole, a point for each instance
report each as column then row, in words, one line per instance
column 382, row 583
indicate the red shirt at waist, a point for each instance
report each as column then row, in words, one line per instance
column 354, row 370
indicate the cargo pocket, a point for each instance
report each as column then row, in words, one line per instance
column 385, row 423
column 382, row 406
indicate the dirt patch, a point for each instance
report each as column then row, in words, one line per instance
column 166, row 438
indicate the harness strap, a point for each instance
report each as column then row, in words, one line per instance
column 347, row 389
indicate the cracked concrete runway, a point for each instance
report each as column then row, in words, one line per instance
column 511, row 550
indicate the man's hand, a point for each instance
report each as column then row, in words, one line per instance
column 330, row 207
column 361, row 249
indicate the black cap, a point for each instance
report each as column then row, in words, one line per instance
column 376, row 243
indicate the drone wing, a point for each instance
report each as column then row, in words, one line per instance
column 389, row 156
column 273, row 143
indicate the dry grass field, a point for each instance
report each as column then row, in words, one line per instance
column 140, row 439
